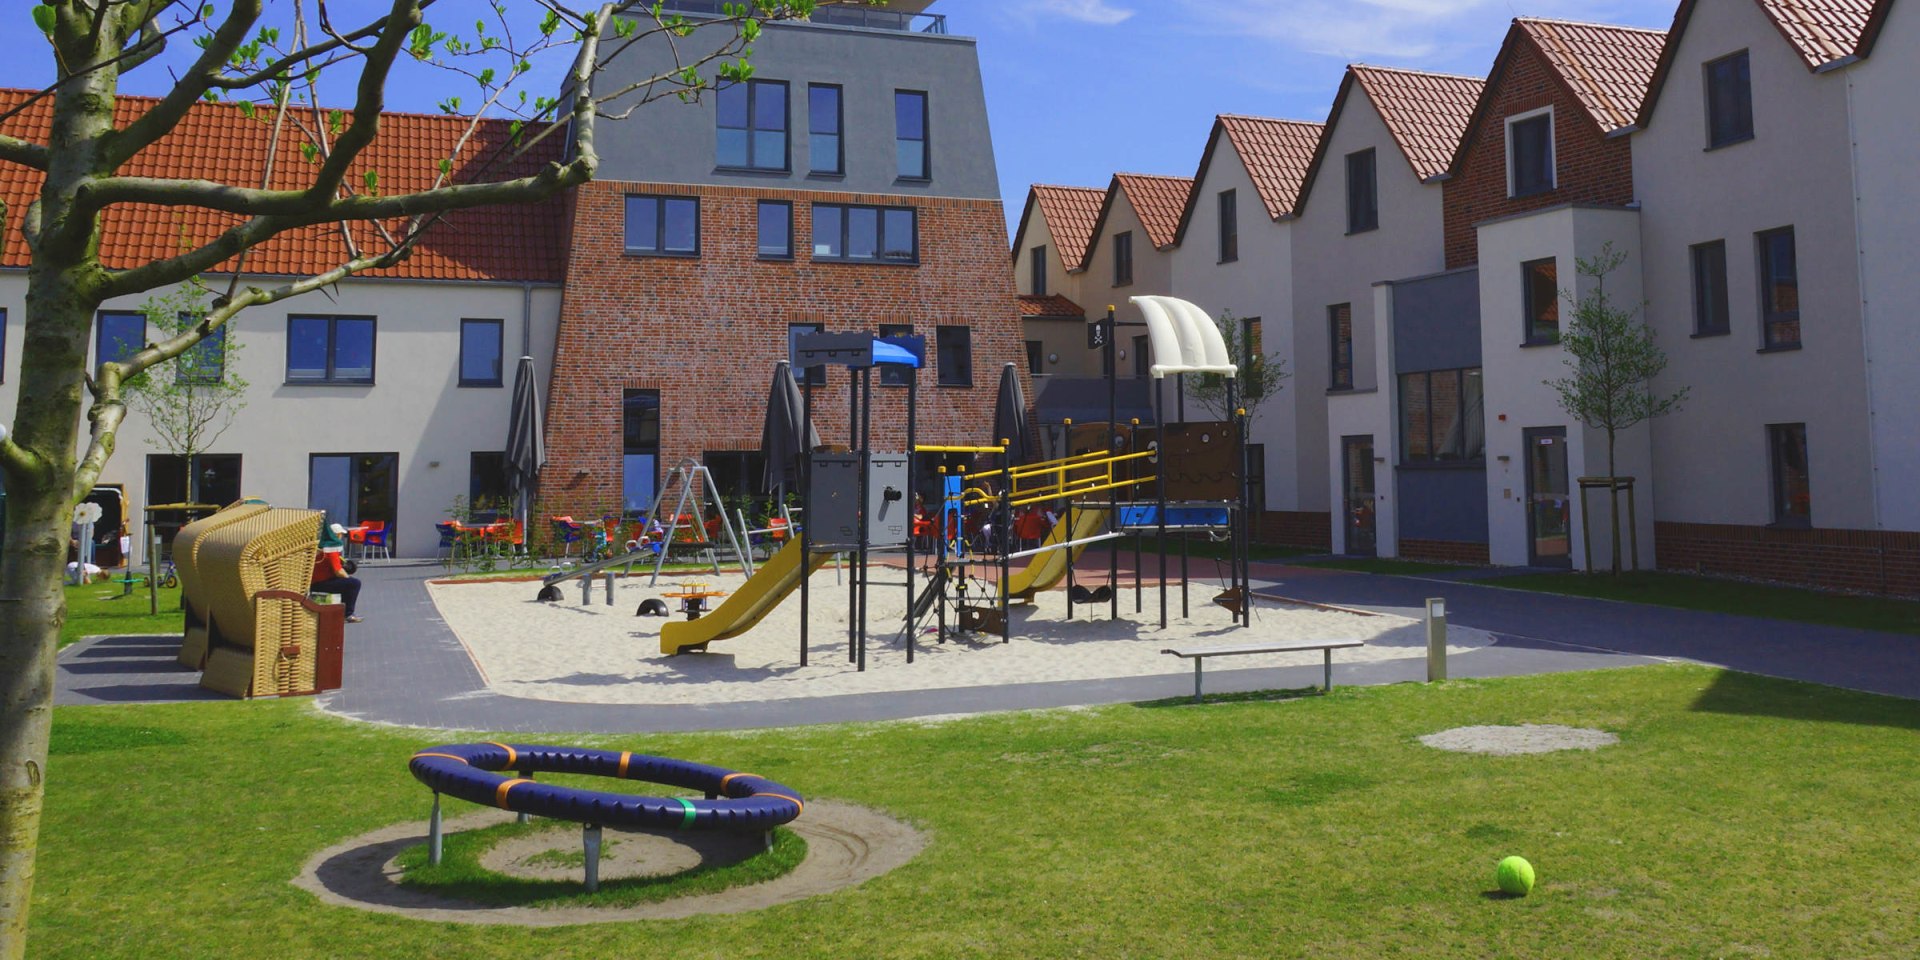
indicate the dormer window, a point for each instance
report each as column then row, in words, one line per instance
column 1530, row 153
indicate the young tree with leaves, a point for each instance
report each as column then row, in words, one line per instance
column 1613, row 360
column 191, row 399
column 1262, row 375
column 268, row 65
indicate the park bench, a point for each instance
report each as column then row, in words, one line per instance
column 1199, row 655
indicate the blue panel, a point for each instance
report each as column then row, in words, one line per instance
column 1443, row 504
column 1436, row 322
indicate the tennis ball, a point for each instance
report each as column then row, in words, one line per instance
column 1515, row 876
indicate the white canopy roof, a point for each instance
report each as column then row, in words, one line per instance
column 1184, row 338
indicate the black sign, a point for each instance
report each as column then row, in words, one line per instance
column 1098, row 334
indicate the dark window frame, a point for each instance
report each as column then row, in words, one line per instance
column 639, row 448
column 1036, row 357
column 1781, row 509
column 1037, row 270
column 893, row 374
column 1516, row 186
column 759, row 248
column 945, row 377
column 1725, row 131
column 1363, row 192
column 1336, row 364
column 332, row 377
column 1433, row 457
column 925, row 140
column 839, row 134
column 1531, row 334
column 1229, row 209
column 500, row 352
column 880, row 234
column 3, row 352
column 1142, row 357
column 1769, row 318
column 659, row 249
column 786, row 128
column 1123, row 258
column 100, row 334
column 1711, row 318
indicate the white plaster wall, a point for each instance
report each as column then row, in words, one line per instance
column 1258, row 284
column 414, row 408
column 1152, row 275
column 1712, row 457
column 1514, row 377
column 1368, row 411
column 1886, row 127
column 1331, row 266
column 1064, row 339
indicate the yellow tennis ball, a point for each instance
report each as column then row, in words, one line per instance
column 1515, row 876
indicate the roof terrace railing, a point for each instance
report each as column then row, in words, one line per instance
column 871, row 19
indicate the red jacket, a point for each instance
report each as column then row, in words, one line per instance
column 328, row 567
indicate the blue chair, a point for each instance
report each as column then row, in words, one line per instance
column 449, row 540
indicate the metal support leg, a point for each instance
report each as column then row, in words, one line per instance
column 1328, row 654
column 1197, row 661
column 434, row 832
column 609, row 582
column 590, row 839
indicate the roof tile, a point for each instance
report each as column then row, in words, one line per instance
column 1050, row 305
column 1822, row 31
column 1071, row 213
column 1608, row 68
column 1426, row 113
column 217, row 142
column 1158, row 201
column 1277, row 154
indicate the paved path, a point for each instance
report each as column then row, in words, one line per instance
column 404, row 666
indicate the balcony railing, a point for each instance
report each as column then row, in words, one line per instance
column 871, row 19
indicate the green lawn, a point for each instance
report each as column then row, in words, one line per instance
column 1739, row 816
column 96, row 608
column 1730, row 596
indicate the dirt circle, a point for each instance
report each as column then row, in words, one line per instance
column 846, row 845
column 554, row 853
column 1509, row 741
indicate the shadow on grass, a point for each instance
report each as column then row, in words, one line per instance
column 1747, row 694
column 1248, row 696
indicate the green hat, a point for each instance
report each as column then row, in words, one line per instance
column 328, row 539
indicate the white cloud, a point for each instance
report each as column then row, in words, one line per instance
column 1086, row 11
column 1408, row 32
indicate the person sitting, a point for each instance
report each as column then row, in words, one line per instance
column 331, row 576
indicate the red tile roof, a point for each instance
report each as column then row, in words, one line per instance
column 1427, row 113
column 1071, row 213
column 217, row 142
column 1158, row 201
column 1822, row 31
column 1608, row 68
column 1051, row 305
column 1277, row 154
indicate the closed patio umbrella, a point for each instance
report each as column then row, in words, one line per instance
column 526, row 442
column 1010, row 416
column 781, row 439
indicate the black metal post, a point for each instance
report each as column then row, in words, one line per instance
column 1113, row 441
column 866, row 517
column 860, row 506
column 806, row 519
column 1133, row 446
column 1160, row 481
column 1006, row 531
column 913, row 503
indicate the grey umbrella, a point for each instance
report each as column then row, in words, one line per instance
column 526, row 441
column 781, row 439
column 1010, row 416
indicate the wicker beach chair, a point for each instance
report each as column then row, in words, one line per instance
column 193, row 583
column 263, row 633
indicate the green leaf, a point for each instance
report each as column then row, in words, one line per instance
column 373, row 182
column 446, row 166
column 43, row 17
column 246, row 108
column 309, row 151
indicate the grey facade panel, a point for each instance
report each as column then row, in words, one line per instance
column 670, row 142
column 1436, row 323
column 1443, row 503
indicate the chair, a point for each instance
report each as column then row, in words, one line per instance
column 194, row 597
column 449, row 531
column 376, row 538
column 566, row 533
column 263, row 633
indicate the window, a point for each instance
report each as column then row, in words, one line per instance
column 910, row 135
column 1250, row 339
column 119, row 335
column 639, row 449
column 1229, row 227
column 1142, row 357
column 487, row 485
column 776, row 230
column 663, row 226
column 885, row 234
column 1710, row 289
column 1729, row 101
column 893, row 374
column 810, row 375
column 1792, row 494
column 1540, row 288
column 753, row 125
column 3, row 374
column 738, row 473
column 204, row 362
column 1340, row 327
column 1441, row 417
column 1037, row 270
column 1779, row 290
column 825, row 150
column 954, row 346
column 1122, row 258
column 1036, row 357
column 1363, row 192
column 480, row 353
column 329, row 349
column 215, row 478
column 1530, row 154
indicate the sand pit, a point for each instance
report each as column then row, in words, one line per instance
column 1519, row 739
column 604, row 654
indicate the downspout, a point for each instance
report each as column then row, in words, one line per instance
column 526, row 318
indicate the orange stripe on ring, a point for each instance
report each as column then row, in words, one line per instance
column 511, row 755
column 796, row 800
column 443, row 756
column 729, row 777
column 624, row 757
column 500, row 793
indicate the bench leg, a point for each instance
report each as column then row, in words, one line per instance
column 1328, row 654
column 1197, row 661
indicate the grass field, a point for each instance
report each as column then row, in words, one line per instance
column 1730, row 596
column 95, row 608
column 1738, row 816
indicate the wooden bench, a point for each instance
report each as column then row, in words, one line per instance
column 1199, row 655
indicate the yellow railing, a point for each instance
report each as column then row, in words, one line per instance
column 1068, row 477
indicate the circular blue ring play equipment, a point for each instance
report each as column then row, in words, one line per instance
column 737, row 801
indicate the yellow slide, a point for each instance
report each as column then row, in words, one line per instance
column 769, row 585
column 1047, row 569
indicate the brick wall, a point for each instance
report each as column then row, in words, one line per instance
column 707, row 332
column 1444, row 551
column 1589, row 167
column 1871, row 561
column 1296, row 529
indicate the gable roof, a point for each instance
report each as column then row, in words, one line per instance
column 1608, row 70
column 217, row 142
column 1071, row 214
column 1275, row 153
column 1425, row 114
column 1050, row 306
column 1824, row 33
column 1157, row 200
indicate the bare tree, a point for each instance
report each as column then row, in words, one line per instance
column 269, row 67
column 1613, row 359
column 1262, row 375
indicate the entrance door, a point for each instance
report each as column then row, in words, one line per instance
column 356, row 487
column 1356, row 458
column 1549, row 508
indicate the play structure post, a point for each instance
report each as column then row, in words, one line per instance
column 434, row 832
column 590, row 839
column 866, row 520
column 1006, row 540
column 1436, row 639
column 1133, row 446
column 1113, row 440
column 860, row 502
column 913, row 503
column 806, row 483
column 1160, row 483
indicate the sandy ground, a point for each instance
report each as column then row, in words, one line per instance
column 1513, row 741
column 605, row 654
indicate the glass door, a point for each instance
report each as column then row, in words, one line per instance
column 356, row 487
column 1549, row 509
column 1356, row 455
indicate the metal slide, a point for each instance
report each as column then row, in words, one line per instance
column 755, row 599
column 1050, row 567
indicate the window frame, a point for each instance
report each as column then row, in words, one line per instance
column 1036, row 358
column 786, row 129
column 759, row 212
column 1703, row 325
column 925, row 140
column 942, row 377
column 1037, row 270
column 476, row 495
column 1371, row 220
column 1530, row 336
column 1780, row 508
column 1552, row 154
column 1142, row 357
column 1433, row 459
column 1762, row 275
column 1335, row 365
column 1229, row 211
column 1123, row 258
column 880, row 234
column 627, row 396
column 100, row 333
column 660, row 202
column 500, row 357
column 333, row 378
column 1714, row 140
column 839, row 135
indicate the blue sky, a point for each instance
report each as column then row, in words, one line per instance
column 1080, row 89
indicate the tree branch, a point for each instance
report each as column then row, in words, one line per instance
column 24, row 152
column 172, row 108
